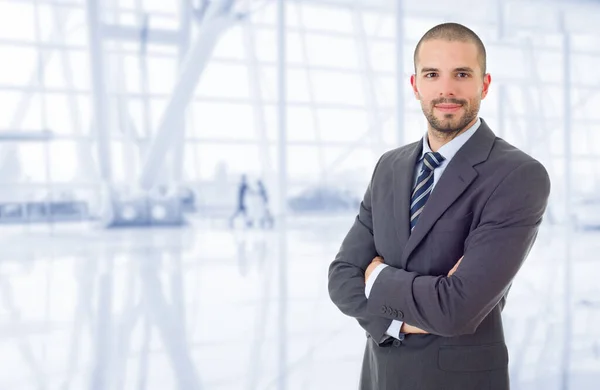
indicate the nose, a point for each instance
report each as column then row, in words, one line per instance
column 447, row 87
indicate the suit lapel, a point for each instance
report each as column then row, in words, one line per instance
column 404, row 169
column 455, row 180
column 457, row 177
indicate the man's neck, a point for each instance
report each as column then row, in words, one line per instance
column 437, row 138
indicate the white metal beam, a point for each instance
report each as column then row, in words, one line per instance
column 375, row 123
column 282, row 255
column 400, row 114
column 258, row 102
column 567, row 343
column 185, row 29
column 99, row 96
column 312, row 96
column 217, row 20
column 20, row 135
column 127, row 33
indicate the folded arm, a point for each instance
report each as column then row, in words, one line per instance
column 347, row 272
column 494, row 252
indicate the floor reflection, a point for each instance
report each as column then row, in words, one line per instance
column 209, row 308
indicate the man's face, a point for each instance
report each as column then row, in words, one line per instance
column 449, row 83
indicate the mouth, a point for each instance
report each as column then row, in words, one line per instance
column 448, row 108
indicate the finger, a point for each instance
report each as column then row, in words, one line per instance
column 454, row 269
column 457, row 263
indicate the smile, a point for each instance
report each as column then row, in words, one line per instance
column 448, row 108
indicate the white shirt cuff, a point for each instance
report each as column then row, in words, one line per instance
column 372, row 278
column 394, row 329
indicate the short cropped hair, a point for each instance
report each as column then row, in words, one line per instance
column 453, row 32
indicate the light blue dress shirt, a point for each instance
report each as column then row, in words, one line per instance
column 447, row 151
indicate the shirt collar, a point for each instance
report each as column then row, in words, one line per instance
column 451, row 148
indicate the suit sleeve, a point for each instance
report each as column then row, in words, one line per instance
column 347, row 271
column 494, row 252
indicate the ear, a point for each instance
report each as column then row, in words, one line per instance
column 487, row 80
column 413, row 83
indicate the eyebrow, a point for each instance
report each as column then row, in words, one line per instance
column 461, row 69
column 464, row 69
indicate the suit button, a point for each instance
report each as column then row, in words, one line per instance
column 400, row 314
column 383, row 310
column 395, row 313
column 389, row 311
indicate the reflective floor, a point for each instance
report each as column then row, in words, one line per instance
column 204, row 307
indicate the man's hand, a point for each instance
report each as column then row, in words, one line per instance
column 405, row 327
column 374, row 263
column 453, row 270
column 408, row 329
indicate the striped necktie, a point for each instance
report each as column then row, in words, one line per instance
column 423, row 187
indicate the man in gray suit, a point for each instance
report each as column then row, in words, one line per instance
column 426, row 272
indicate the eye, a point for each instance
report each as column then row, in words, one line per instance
column 430, row 75
column 462, row 75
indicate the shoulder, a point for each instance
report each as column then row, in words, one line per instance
column 508, row 153
column 391, row 156
column 514, row 167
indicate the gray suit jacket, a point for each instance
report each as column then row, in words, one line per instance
column 487, row 206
